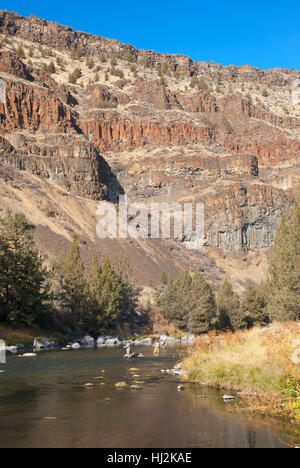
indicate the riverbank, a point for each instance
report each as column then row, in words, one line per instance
column 259, row 365
column 26, row 335
column 38, row 339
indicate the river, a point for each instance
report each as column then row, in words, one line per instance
column 44, row 403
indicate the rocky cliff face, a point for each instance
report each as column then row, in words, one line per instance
column 157, row 127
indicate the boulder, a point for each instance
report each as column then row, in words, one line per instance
column 145, row 342
column 20, row 347
column 100, row 341
column 38, row 345
column 112, row 341
column 75, row 346
column 11, row 349
column 87, row 340
column 43, row 344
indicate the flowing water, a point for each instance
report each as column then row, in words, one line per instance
column 43, row 403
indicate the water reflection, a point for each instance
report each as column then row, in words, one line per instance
column 52, row 386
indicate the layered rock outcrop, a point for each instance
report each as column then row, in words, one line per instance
column 70, row 162
column 144, row 138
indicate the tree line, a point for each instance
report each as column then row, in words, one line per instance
column 66, row 293
column 191, row 303
column 94, row 298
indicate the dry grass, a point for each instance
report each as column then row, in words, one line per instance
column 256, row 362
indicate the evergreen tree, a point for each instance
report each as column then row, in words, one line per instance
column 188, row 302
column 203, row 306
column 172, row 302
column 73, row 292
column 25, row 296
column 254, row 306
column 228, row 308
column 284, row 268
column 111, row 295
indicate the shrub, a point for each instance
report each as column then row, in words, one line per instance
column 50, row 68
column 163, row 81
column 20, row 52
column 77, row 53
column 90, row 63
column 73, row 77
column 114, row 60
column 129, row 57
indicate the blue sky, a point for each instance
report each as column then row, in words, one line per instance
column 260, row 33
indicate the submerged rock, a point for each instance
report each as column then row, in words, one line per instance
column 121, row 385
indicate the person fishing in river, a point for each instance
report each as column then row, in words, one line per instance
column 156, row 348
column 128, row 348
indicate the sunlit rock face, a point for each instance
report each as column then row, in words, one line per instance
column 155, row 140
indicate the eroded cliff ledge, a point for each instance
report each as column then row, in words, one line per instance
column 137, row 122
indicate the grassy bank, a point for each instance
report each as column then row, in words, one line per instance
column 258, row 362
column 25, row 335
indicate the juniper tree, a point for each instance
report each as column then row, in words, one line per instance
column 228, row 307
column 25, row 295
column 110, row 293
column 72, row 291
column 254, row 306
column 203, row 306
column 188, row 302
column 283, row 293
